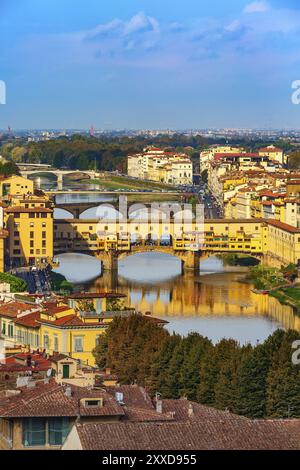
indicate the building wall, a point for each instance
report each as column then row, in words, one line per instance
column 30, row 237
column 16, row 185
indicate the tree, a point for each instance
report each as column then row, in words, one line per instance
column 18, row 154
column 252, row 399
column 131, row 344
column 195, row 347
column 283, row 381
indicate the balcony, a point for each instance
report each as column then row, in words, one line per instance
column 107, row 314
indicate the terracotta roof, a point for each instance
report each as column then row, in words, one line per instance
column 51, row 400
column 283, row 226
column 15, row 308
column 133, row 396
column 29, row 320
column 270, row 149
column 70, row 320
column 223, row 433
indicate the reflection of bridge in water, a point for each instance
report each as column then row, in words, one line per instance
column 189, row 295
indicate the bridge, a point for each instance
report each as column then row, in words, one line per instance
column 109, row 240
column 60, row 174
column 76, row 209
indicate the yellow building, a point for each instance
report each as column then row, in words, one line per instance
column 158, row 165
column 69, row 327
column 30, row 227
column 15, row 185
column 273, row 153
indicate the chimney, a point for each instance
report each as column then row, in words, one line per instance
column 68, row 392
column 158, row 402
column 190, row 410
column 29, row 361
column 107, row 371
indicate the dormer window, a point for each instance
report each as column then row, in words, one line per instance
column 93, row 402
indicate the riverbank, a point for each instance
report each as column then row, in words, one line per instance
column 123, row 182
column 60, row 284
column 289, row 295
column 278, row 283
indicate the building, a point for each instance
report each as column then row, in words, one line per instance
column 41, row 414
column 207, row 155
column 15, row 185
column 70, row 326
column 191, row 426
column 29, row 221
column 274, row 153
column 161, row 166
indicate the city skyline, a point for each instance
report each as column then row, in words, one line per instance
column 203, row 66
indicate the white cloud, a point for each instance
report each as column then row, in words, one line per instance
column 256, row 7
column 234, row 26
column 141, row 22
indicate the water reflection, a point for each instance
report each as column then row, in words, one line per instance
column 78, row 268
column 216, row 305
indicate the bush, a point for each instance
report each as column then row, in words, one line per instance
column 16, row 284
column 59, row 283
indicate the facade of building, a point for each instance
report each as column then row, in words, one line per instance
column 15, row 185
column 161, row 166
column 71, row 326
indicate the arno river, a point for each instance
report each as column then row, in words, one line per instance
column 214, row 303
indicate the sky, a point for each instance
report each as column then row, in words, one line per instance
column 149, row 64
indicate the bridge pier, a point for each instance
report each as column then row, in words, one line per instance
column 60, row 181
column 191, row 262
column 109, row 261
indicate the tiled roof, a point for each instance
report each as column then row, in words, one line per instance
column 29, row 320
column 15, row 308
column 283, row 226
column 70, row 320
column 133, row 395
column 51, row 400
column 225, row 433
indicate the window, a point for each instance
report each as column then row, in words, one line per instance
column 34, row 432
column 31, row 235
column 10, row 330
column 78, row 344
column 43, row 234
column 55, row 343
column 93, row 403
column 58, row 429
column 46, row 341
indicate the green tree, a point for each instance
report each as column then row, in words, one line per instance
column 283, row 381
column 252, row 400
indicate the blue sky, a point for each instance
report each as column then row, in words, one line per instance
column 149, row 63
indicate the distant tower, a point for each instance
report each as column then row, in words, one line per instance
column 9, row 129
column 92, row 131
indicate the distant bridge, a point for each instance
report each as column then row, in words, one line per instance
column 60, row 174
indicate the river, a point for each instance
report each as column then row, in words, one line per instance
column 215, row 302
